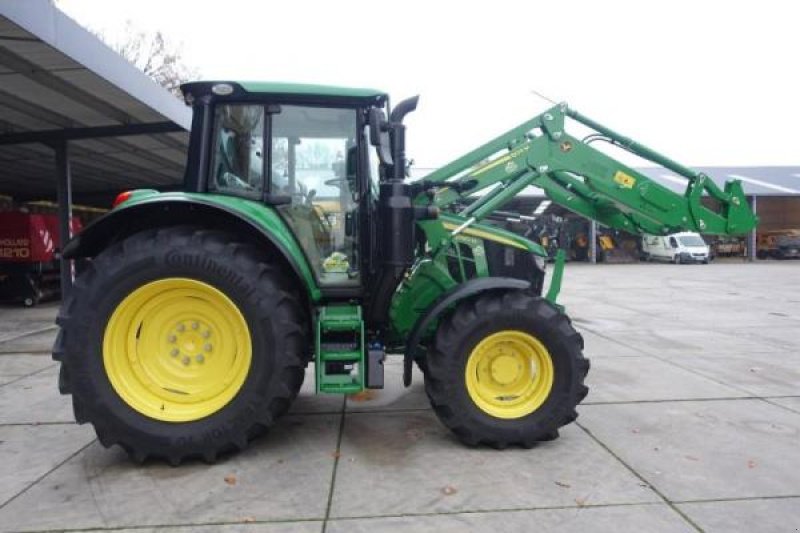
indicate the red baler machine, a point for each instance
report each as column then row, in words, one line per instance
column 29, row 269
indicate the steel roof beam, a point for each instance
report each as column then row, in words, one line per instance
column 46, row 115
column 71, row 134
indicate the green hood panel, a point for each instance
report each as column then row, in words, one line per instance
column 449, row 222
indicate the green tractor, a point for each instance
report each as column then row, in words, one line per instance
column 297, row 239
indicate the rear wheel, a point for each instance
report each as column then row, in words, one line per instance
column 181, row 343
column 506, row 369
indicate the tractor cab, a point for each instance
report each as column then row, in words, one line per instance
column 303, row 150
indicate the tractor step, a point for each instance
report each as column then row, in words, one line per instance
column 340, row 349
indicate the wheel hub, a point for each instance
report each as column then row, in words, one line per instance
column 509, row 374
column 505, row 369
column 193, row 342
column 177, row 349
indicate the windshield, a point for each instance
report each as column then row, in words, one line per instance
column 692, row 240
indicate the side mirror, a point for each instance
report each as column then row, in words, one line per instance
column 379, row 135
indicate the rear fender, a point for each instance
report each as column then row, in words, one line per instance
column 246, row 219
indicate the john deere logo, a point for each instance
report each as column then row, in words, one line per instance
column 626, row 181
column 511, row 167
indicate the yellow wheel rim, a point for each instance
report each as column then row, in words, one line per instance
column 509, row 374
column 177, row 350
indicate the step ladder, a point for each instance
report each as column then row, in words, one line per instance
column 340, row 349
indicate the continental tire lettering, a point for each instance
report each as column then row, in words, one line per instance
column 176, row 258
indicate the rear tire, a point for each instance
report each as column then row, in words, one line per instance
column 259, row 333
column 453, row 381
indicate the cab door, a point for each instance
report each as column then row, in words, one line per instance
column 313, row 163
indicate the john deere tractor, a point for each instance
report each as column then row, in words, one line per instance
column 298, row 239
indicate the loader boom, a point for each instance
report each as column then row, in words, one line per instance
column 584, row 180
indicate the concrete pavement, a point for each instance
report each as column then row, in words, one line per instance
column 692, row 423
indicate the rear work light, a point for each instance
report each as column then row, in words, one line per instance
column 121, row 197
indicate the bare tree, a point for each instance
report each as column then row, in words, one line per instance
column 152, row 53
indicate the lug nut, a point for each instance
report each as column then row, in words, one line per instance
column 207, row 347
column 186, row 360
column 181, row 327
column 174, row 352
column 172, row 338
column 195, row 325
column 199, row 358
column 206, row 334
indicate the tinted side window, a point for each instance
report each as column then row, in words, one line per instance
column 237, row 164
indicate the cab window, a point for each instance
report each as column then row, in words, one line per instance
column 237, row 162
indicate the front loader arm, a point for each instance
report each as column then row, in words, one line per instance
column 585, row 180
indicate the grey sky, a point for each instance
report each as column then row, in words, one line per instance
column 708, row 83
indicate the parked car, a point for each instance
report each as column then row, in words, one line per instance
column 780, row 244
column 686, row 247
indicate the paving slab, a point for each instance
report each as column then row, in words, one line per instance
column 644, row 378
column 407, row 462
column 35, row 399
column 29, row 452
column 309, row 402
column 704, row 449
column 247, row 527
column 788, row 403
column 654, row 518
column 283, row 476
column 41, row 342
column 394, row 396
column 667, row 342
column 14, row 366
column 597, row 346
column 760, row 374
column 45, row 312
column 778, row 515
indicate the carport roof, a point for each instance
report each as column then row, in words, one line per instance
column 58, row 81
column 756, row 181
column 760, row 181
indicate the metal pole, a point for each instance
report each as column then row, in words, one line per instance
column 592, row 241
column 64, row 195
column 752, row 241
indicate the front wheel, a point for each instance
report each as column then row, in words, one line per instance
column 506, row 369
column 180, row 343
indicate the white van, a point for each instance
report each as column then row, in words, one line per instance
column 686, row 247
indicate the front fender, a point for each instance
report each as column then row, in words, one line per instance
column 444, row 302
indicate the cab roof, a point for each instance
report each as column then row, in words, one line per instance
column 281, row 91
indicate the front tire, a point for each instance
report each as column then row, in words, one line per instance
column 181, row 343
column 506, row 369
